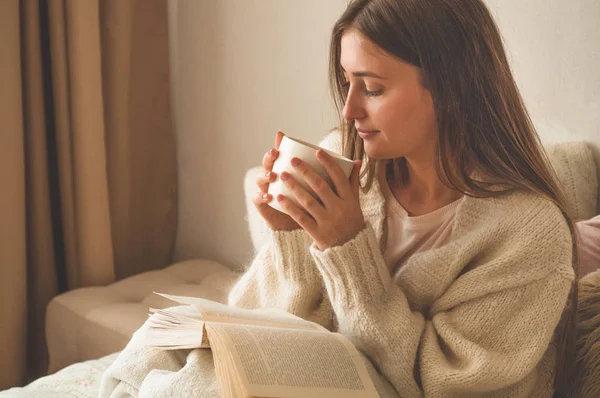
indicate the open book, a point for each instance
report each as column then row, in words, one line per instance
column 264, row 352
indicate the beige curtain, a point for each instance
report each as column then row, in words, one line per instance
column 87, row 158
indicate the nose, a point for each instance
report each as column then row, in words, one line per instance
column 353, row 109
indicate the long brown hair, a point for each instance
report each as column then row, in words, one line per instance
column 482, row 121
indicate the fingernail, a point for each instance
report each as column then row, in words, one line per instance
column 296, row 162
column 268, row 175
column 285, row 176
column 265, row 196
column 321, row 154
column 272, row 152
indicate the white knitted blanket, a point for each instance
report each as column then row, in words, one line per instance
column 142, row 372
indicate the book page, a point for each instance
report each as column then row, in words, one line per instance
column 275, row 362
column 216, row 312
column 230, row 385
column 171, row 331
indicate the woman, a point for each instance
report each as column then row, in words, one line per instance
column 451, row 266
column 448, row 260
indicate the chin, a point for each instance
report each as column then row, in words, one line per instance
column 377, row 152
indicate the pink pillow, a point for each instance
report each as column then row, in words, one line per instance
column 589, row 245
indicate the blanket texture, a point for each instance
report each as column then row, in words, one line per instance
column 142, row 372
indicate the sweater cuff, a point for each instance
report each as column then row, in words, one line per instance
column 354, row 273
column 292, row 257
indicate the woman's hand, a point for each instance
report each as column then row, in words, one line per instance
column 276, row 220
column 338, row 218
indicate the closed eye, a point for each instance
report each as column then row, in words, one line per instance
column 373, row 93
column 368, row 93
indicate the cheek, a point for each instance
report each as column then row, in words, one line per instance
column 399, row 114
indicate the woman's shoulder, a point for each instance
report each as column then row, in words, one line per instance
column 522, row 226
column 518, row 209
column 511, row 216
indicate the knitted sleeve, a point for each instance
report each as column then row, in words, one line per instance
column 485, row 335
column 283, row 275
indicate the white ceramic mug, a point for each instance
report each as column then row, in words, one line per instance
column 293, row 147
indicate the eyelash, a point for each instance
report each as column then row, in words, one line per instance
column 368, row 93
column 373, row 93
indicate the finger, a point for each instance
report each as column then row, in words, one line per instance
column 278, row 138
column 339, row 179
column 316, row 183
column 263, row 181
column 306, row 200
column 297, row 214
column 269, row 159
column 261, row 202
column 261, row 198
column 355, row 177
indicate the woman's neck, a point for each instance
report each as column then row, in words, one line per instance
column 423, row 193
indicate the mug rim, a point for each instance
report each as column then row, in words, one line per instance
column 316, row 148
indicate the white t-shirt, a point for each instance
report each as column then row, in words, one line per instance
column 408, row 235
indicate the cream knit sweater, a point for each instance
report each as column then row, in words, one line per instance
column 475, row 317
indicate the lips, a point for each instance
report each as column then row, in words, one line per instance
column 366, row 134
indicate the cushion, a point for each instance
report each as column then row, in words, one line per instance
column 589, row 245
column 587, row 381
column 91, row 322
column 577, row 172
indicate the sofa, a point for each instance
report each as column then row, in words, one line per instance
column 93, row 322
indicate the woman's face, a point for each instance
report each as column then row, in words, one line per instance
column 385, row 95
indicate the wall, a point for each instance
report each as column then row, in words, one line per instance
column 243, row 69
column 554, row 48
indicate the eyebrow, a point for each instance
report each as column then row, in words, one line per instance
column 365, row 74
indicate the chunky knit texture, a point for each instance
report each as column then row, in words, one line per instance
column 475, row 317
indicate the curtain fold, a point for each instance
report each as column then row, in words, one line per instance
column 87, row 158
column 13, row 292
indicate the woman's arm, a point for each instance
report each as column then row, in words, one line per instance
column 487, row 339
column 284, row 275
